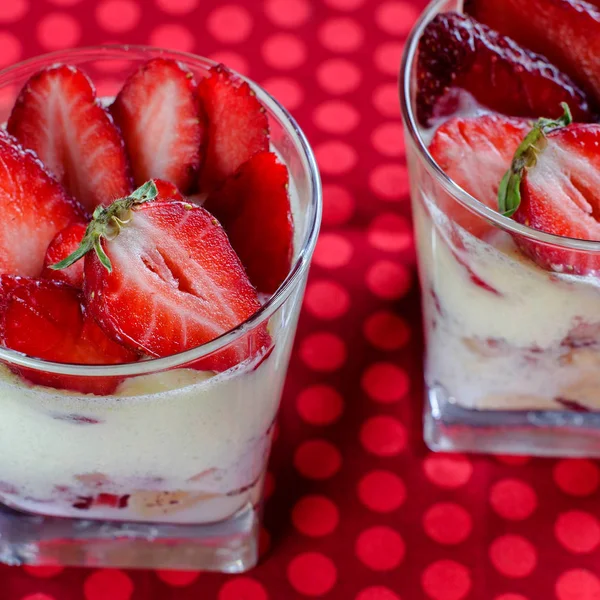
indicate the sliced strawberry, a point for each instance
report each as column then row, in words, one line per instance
column 457, row 52
column 167, row 280
column 253, row 206
column 167, row 191
column 237, row 125
column 58, row 116
column 567, row 32
column 34, row 209
column 559, row 195
column 475, row 153
column 45, row 319
column 65, row 243
column 158, row 114
column 7, row 284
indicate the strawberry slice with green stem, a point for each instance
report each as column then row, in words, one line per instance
column 58, row 116
column 253, row 205
column 158, row 114
column 69, row 239
column 34, row 208
column 457, row 52
column 163, row 278
column 46, row 319
column 552, row 185
column 474, row 152
column 237, row 125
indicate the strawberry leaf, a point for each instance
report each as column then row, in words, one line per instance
column 147, row 191
column 525, row 158
column 107, row 223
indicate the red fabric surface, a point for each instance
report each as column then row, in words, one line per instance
column 359, row 510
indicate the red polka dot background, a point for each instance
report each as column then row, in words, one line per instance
column 357, row 508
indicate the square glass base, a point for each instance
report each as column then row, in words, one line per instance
column 451, row 428
column 229, row 546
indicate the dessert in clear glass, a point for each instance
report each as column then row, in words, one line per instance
column 500, row 110
column 153, row 259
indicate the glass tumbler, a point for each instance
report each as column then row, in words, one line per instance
column 512, row 360
column 168, row 471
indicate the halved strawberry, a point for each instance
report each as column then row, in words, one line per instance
column 237, row 125
column 253, row 206
column 64, row 244
column 552, row 186
column 34, row 208
column 163, row 278
column 45, row 319
column 457, row 52
column 58, row 116
column 69, row 239
column 158, row 114
column 475, row 153
column 567, row 32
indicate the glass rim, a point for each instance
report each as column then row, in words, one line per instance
column 297, row 270
column 449, row 185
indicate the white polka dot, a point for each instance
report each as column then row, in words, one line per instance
column 387, row 58
column 338, row 76
column 11, row 48
column 341, row 35
column 332, row 251
column 388, row 280
column 118, row 16
column 288, row 13
column 286, row 90
column 173, row 37
column 386, row 99
column 284, row 51
column 336, row 116
column 396, row 18
column 229, row 23
column 57, row 31
column 390, row 181
column 13, row 10
column 323, row 351
column 232, row 60
column 335, row 157
column 388, row 139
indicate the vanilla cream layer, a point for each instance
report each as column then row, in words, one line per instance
column 504, row 349
column 179, row 430
column 532, row 307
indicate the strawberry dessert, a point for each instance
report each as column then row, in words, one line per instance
column 138, row 231
column 506, row 101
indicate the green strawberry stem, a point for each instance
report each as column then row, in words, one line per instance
column 106, row 223
column 509, row 191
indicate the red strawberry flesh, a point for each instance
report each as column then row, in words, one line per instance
column 64, row 244
column 237, row 125
column 34, row 209
column 457, row 52
column 58, row 116
column 559, row 195
column 45, row 319
column 167, row 191
column 475, row 152
column 175, row 284
column 158, row 114
column 567, row 32
column 253, row 206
